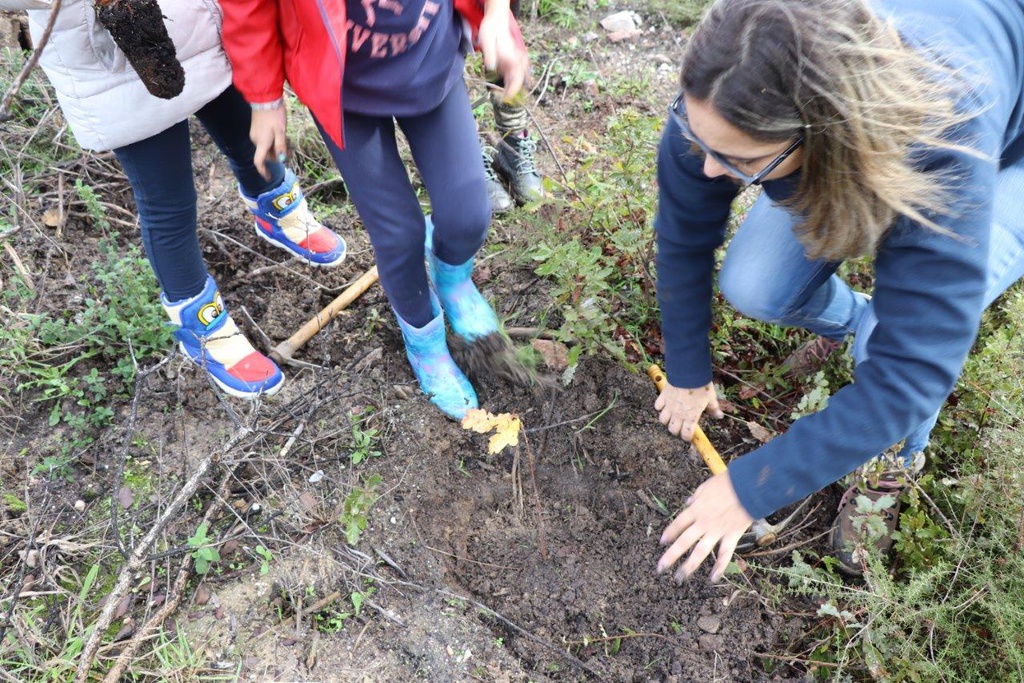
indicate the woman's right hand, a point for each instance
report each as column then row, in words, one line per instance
column 679, row 409
column 268, row 132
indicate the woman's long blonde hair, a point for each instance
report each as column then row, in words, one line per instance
column 870, row 106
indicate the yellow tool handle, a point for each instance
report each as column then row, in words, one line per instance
column 700, row 440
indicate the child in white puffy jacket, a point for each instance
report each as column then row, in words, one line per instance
column 109, row 108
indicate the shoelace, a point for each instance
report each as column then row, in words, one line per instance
column 525, row 147
column 488, row 154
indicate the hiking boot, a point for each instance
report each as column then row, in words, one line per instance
column 811, row 355
column 864, row 517
column 514, row 160
column 496, row 194
column 209, row 337
column 439, row 377
column 283, row 218
column 469, row 314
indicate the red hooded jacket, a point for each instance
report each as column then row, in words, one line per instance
column 302, row 41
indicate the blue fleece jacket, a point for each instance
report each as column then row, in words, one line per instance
column 928, row 286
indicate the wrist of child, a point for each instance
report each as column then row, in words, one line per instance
column 267, row 106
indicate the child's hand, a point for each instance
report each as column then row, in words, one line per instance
column 500, row 51
column 267, row 132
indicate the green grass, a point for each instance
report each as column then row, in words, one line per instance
column 947, row 606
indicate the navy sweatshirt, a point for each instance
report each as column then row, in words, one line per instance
column 929, row 287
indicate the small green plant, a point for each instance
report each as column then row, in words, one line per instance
column 203, row 554
column 81, row 360
column 364, row 438
column 356, row 507
column 54, row 467
column 598, row 251
column 265, row 557
column 93, row 206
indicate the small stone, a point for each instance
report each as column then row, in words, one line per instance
column 709, row 643
column 620, row 21
column 80, row 505
column 709, row 624
column 620, row 36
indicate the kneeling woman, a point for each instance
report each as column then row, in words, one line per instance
column 892, row 130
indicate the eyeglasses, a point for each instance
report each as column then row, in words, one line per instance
column 678, row 113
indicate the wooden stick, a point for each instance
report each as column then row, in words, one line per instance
column 284, row 351
column 5, row 104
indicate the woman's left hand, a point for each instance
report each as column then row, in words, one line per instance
column 713, row 516
column 500, row 50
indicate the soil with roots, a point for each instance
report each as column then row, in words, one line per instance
column 365, row 536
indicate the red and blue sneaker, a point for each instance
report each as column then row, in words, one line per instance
column 283, row 218
column 207, row 334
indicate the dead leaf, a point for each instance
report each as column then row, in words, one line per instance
column 123, row 606
column 760, row 433
column 748, row 392
column 505, row 425
column 125, row 497
column 555, row 354
column 726, row 406
column 308, row 501
column 506, row 435
column 51, row 218
column 203, row 595
column 126, row 631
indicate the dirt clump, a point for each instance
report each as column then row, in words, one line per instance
column 137, row 27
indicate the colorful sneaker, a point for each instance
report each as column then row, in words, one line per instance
column 207, row 334
column 501, row 202
column 514, row 160
column 439, row 377
column 283, row 218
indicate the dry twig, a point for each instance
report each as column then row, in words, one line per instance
column 141, row 551
column 12, row 92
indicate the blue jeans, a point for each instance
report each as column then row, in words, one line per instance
column 159, row 169
column 447, row 155
column 767, row 276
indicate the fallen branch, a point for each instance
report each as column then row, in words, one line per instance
column 124, row 659
column 140, row 553
column 12, row 92
column 284, row 351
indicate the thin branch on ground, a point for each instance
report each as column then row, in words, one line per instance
column 124, row 659
column 141, row 551
column 12, row 92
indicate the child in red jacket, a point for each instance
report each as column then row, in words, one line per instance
column 361, row 66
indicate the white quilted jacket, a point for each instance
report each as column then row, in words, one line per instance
column 105, row 103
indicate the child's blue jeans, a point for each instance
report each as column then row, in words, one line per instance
column 767, row 276
column 159, row 169
column 447, row 155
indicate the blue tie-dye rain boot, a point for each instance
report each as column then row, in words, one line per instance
column 439, row 377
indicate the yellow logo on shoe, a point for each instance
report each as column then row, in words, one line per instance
column 208, row 313
column 283, row 201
